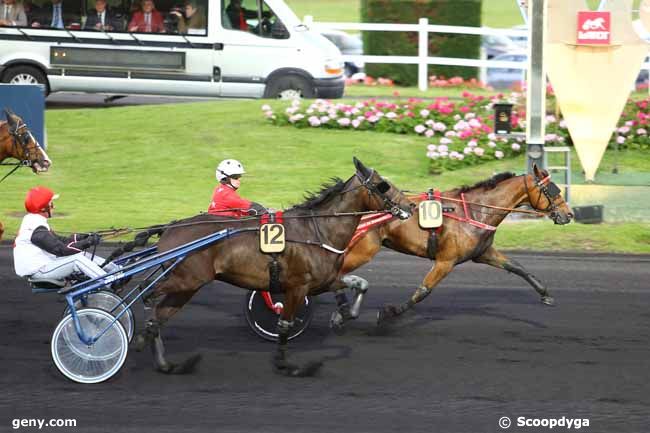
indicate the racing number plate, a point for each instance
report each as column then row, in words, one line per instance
column 430, row 214
column 272, row 238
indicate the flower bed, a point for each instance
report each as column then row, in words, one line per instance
column 454, row 133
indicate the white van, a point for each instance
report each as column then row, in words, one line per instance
column 228, row 48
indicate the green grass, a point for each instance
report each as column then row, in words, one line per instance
column 137, row 166
column 496, row 13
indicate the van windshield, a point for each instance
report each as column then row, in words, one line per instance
column 253, row 16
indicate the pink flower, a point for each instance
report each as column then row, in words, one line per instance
column 620, row 139
column 428, row 133
column 269, row 114
column 641, row 131
column 472, row 143
column 450, row 134
column 313, row 121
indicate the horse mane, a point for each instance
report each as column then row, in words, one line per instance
column 490, row 183
column 328, row 190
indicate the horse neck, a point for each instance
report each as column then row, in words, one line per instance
column 507, row 194
column 6, row 149
column 338, row 230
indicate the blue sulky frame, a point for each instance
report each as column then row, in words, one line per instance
column 149, row 259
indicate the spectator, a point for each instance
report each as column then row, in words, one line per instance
column 194, row 20
column 148, row 20
column 56, row 15
column 102, row 18
column 238, row 15
column 31, row 10
column 12, row 15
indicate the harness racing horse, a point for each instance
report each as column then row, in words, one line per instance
column 16, row 141
column 461, row 238
column 317, row 233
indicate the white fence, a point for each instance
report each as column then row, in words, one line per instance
column 423, row 28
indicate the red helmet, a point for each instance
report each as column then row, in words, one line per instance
column 38, row 199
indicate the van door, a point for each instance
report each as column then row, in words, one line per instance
column 255, row 42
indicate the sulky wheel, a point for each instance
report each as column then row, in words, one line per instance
column 264, row 321
column 95, row 363
column 111, row 303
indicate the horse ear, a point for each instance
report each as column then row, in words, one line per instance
column 10, row 117
column 359, row 166
column 536, row 170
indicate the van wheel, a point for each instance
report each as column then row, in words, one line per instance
column 26, row 75
column 290, row 87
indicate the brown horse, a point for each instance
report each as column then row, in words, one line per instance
column 458, row 241
column 16, row 141
column 317, row 232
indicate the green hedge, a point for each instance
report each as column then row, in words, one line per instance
column 445, row 12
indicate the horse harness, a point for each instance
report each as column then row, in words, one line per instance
column 20, row 140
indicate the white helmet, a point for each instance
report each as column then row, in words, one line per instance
column 229, row 167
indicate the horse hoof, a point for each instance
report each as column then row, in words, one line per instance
column 386, row 313
column 139, row 343
column 337, row 323
column 548, row 300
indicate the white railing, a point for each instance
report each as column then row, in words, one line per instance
column 423, row 60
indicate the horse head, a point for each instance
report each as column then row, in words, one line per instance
column 25, row 147
column 382, row 195
column 545, row 196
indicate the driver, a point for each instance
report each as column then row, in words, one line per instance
column 41, row 254
column 225, row 200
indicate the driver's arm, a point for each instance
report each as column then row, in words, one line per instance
column 53, row 244
column 257, row 209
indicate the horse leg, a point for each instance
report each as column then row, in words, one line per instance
column 440, row 270
column 167, row 307
column 281, row 364
column 495, row 258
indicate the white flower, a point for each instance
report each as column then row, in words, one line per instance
column 562, row 124
column 391, row 115
column 550, row 119
column 296, row 117
column 309, row 111
column 629, row 123
column 355, row 111
column 461, row 156
column 443, row 148
column 515, row 147
column 498, row 154
column 424, row 113
column 356, row 123
column 266, row 107
column 433, row 155
column 431, row 147
column 429, row 133
column 344, row 121
column 550, row 137
column 641, row 131
column 492, row 144
column 492, row 136
column 430, row 123
column 469, row 116
column 443, row 154
column 373, row 119
column 454, row 155
column 445, row 140
column 450, row 134
column 472, row 143
column 467, row 150
column 291, row 110
column 457, row 117
column 269, row 113
column 479, row 151
column 461, row 125
column 439, row 126
column 324, row 119
column 624, row 129
column 620, row 139
column 419, row 129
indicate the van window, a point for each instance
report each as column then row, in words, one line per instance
column 255, row 17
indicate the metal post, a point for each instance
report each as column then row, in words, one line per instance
column 536, row 92
column 423, row 53
column 523, row 8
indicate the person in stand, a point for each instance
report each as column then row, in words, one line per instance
column 12, row 14
column 225, row 200
column 147, row 20
column 56, row 15
column 41, row 254
column 194, row 20
column 102, row 18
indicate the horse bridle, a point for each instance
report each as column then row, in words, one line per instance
column 380, row 189
column 547, row 188
column 20, row 143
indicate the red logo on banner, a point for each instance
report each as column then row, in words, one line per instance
column 594, row 28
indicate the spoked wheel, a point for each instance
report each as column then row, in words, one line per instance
column 264, row 320
column 89, row 364
column 111, row 303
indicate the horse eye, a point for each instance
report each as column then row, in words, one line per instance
column 383, row 187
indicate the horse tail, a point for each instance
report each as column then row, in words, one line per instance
column 140, row 240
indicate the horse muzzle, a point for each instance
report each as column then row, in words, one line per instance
column 401, row 213
column 560, row 218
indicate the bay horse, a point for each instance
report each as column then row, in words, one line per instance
column 16, row 141
column 467, row 234
column 317, row 232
